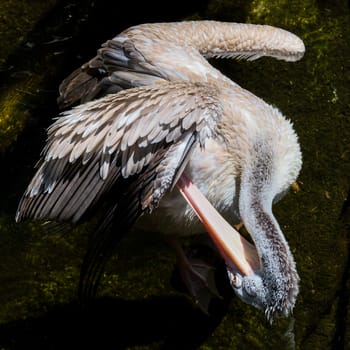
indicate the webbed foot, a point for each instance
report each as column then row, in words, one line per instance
column 197, row 274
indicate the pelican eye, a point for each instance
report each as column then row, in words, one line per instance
column 235, row 280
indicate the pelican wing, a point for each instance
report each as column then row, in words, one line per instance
column 97, row 145
column 118, row 155
column 118, row 65
column 148, row 53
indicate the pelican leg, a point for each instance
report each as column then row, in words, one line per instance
column 197, row 275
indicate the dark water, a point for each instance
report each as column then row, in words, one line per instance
column 139, row 305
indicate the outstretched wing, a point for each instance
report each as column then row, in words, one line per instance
column 94, row 145
column 152, row 52
column 118, row 154
column 118, row 65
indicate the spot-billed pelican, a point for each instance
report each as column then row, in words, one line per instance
column 154, row 122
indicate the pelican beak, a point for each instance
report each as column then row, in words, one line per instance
column 237, row 252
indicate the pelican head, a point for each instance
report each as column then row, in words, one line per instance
column 261, row 290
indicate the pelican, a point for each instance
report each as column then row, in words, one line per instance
column 150, row 123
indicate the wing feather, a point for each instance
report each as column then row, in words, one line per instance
column 76, row 164
column 118, row 65
column 96, row 160
column 149, row 53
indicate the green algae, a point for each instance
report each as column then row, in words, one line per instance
column 149, row 255
column 284, row 13
column 15, row 112
column 35, row 275
column 17, row 18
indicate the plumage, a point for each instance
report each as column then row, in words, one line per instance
column 149, row 108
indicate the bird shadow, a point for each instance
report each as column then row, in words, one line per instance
column 106, row 323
